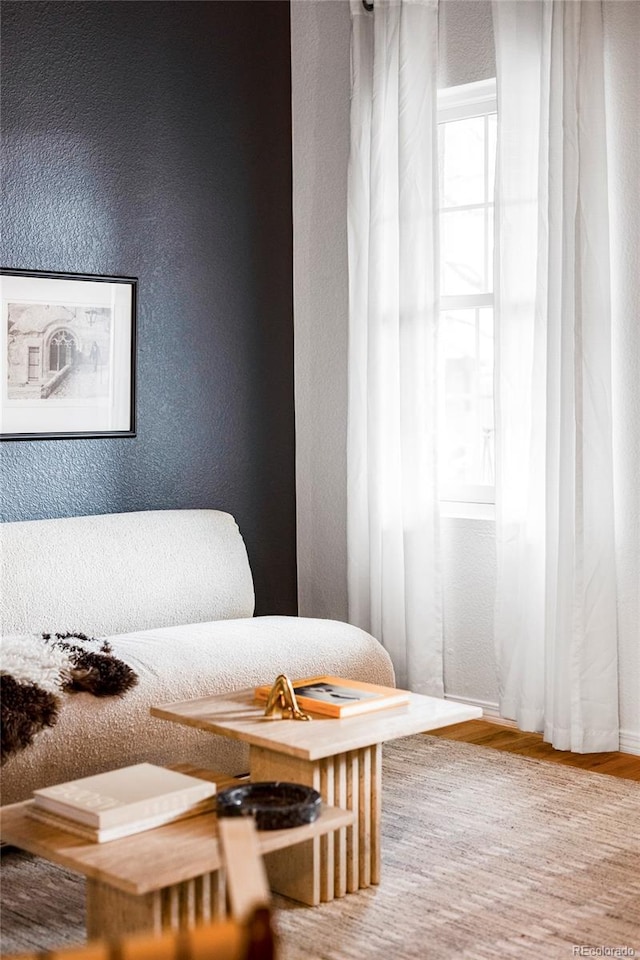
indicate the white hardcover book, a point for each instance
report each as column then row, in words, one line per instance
column 142, row 791
column 105, row 834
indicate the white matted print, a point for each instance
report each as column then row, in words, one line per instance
column 68, row 355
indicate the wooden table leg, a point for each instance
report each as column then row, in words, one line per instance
column 294, row 872
column 347, row 860
column 113, row 913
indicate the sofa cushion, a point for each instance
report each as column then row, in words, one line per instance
column 178, row 663
column 122, row 571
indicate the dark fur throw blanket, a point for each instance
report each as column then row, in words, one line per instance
column 37, row 671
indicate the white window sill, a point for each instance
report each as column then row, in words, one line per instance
column 455, row 509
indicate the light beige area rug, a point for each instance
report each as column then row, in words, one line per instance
column 485, row 855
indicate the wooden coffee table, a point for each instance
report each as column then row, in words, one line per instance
column 168, row 878
column 340, row 758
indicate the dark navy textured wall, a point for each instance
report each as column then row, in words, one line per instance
column 153, row 140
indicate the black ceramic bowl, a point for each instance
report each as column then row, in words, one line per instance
column 274, row 804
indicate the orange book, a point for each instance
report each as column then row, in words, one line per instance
column 339, row 697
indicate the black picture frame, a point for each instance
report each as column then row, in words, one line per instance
column 68, row 355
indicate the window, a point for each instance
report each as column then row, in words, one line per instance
column 467, row 126
column 61, row 351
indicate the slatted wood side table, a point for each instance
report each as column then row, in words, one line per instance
column 341, row 759
column 168, row 878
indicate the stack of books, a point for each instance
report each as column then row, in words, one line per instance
column 122, row 802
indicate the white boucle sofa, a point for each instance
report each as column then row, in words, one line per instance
column 173, row 591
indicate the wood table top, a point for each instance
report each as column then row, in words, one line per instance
column 237, row 716
column 152, row 859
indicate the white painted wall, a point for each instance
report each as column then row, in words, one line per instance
column 465, row 42
column 320, row 35
column 320, row 58
column 469, row 583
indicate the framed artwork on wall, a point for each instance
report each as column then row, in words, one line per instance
column 68, row 359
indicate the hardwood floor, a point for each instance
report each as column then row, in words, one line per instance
column 499, row 737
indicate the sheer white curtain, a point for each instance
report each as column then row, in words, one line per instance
column 393, row 566
column 556, row 629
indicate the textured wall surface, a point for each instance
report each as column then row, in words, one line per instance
column 466, row 42
column 320, row 39
column 469, row 586
column 153, row 139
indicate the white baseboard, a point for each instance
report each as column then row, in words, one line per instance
column 490, row 710
column 486, row 705
column 629, row 741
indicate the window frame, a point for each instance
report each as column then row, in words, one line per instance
column 460, row 103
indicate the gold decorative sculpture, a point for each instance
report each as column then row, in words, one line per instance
column 282, row 703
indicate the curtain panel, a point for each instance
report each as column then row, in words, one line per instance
column 394, row 577
column 556, row 630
